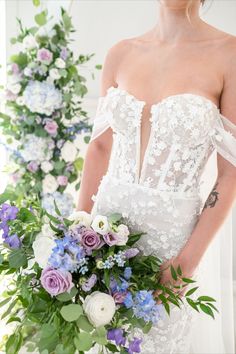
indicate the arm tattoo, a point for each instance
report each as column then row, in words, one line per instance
column 212, row 198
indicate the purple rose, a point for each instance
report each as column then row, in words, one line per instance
column 119, row 297
column 89, row 283
column 44, row 55
column 110, row 238
column 32, row 166
column 62, row 180
column 51, row 127
column 55, row 281
column 90, row 240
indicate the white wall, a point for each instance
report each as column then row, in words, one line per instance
column 100, row 24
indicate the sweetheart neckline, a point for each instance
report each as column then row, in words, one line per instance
column 164, row 99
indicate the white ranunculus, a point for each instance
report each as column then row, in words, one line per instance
column 46, row 166
column 29, row 42
column 99, row 308
column 46, row 231
column 122, row 233
column 81, row 217
column 100, row 224
column 60, row 63
column 42, row 248
column 50, row 184
column 68, row 152
column 54, row 74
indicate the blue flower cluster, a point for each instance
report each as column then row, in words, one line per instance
column 69, row 256
column 64, row 202
column 118, row 258
column 144, row 305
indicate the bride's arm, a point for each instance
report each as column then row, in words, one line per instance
column 223, row 195
column 99, row 149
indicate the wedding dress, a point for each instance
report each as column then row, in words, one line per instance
column 161, row 196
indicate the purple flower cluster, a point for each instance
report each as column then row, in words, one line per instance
column 9, row 212
column 117, row 335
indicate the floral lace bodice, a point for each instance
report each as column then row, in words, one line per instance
column 185, row 129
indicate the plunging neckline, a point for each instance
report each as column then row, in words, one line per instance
column 140, row 166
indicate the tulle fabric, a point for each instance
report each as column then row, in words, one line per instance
column 209, row 336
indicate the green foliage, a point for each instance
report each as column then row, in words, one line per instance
column 71, row 312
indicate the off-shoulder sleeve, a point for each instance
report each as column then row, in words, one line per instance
column 223, row 137
column 101, row 121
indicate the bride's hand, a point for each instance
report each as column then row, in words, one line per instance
column 167, row 279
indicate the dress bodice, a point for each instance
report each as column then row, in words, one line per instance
column 185, row 129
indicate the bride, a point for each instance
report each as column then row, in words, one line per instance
column 167, row 103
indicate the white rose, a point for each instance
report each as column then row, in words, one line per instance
column 50, row 184
column 46, row 166
column 99, row 308
column 122, row 235
column 100, row 224
column 42, row 247
column 81, row 217
column 27, row 72
column 54, row 74
column 69, row 152
column 60, row 63
column 29, row 42
column 14, row 88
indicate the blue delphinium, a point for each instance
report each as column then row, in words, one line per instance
column 144, row 305
column 134, row 346
column 116, row 334
column 68, row 256
column 127, row 273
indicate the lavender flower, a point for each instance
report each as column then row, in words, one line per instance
column 132, row 252
column 55, row 281
column 13, row 241
column 8, row 212
column 89, row 283
column 32, row 166
column 134, row 346
column 110, row 238
column 116, row 334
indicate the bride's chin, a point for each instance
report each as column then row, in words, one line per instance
column 174, row 4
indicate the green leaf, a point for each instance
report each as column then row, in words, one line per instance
column 167, row 307
column 191, row 291
column 41, row 19
column 99, row 335
column 98, row 66
column 17, row 259
column 113, row 218
column 187, row 280
column 13, row 343
column 20, row 59
column 67, row 21
column 79, row 164
column 134, row 238
column 83, row 341
column 49, row 338
column 111, row 347
column 8, row 311
column 207, row 310
column 26, row 216
column 205, row 298
column 36, row 3
column 107, row 277
column 4, row 302
column 84, row 324
column 173, row 272
column 56, row 207
column 211, row 305
column 71, row 312
column 67, row 296
column 179, row 271
column 192, row 304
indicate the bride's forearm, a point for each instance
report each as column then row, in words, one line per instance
column 95, row 166
column 214, row 213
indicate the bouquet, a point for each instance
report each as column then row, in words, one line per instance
column 80, row 282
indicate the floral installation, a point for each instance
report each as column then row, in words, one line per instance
column 44, row 124
column 80, row 282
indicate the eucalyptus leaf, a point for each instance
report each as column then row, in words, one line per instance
column 67, row 296
column 83, row 341
column 71, row 312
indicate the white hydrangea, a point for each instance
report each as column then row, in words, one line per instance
column 37, row 148
column 64, row 201
column 49, row 184
column 42, row 97
column 69, row 152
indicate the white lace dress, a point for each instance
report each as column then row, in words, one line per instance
column 161, row 195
